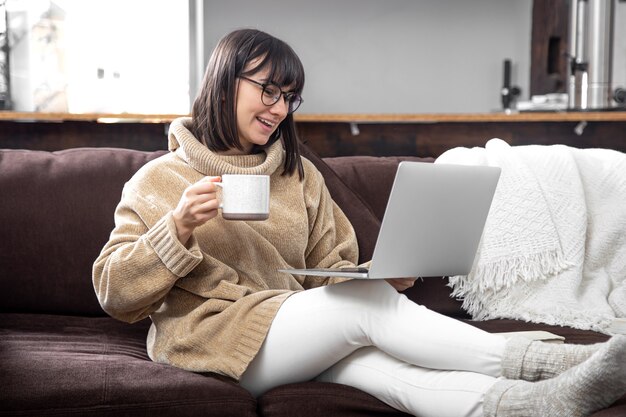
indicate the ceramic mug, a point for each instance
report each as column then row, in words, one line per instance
column 245, row 197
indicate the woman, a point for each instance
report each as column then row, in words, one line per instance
column 218, row 304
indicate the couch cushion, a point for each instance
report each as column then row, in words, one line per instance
column 57, row 213
column 365, row 223
column 434, row 293
column 571, row 335
column 66, row 365
column 322, row 399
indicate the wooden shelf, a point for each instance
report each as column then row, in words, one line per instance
column 611, row 116
column 608, row 116
column 88, row 117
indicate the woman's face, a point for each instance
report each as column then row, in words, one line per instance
column 256, row 122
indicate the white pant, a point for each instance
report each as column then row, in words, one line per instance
column 363, row 333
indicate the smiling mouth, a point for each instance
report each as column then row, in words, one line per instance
column 266, row 122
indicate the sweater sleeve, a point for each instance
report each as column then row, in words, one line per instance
column 140, row 264
column 332, row 241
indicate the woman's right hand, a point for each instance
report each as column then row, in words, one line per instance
column 197, row 205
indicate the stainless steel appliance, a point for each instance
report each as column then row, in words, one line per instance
column 591, row 47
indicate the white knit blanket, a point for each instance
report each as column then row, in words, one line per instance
column 554, row 246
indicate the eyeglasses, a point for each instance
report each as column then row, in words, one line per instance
column 271, row 93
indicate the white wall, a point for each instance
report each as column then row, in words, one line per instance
column 392, row 56
column 143, row 61
column 141, row 48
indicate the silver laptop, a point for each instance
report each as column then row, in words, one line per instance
column 432, row 225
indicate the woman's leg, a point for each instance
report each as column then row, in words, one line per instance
column 315, row 329
column 418, row 391
column 577, row 392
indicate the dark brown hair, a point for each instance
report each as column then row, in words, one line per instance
column 214, row 120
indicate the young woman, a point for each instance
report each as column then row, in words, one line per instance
column 217, row 302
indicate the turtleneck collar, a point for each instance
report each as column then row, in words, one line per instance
column 187, row 147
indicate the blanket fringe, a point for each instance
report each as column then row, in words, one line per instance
column 488, row 279
column 507, row 272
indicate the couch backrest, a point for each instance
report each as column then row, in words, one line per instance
column 371, row 177
column 56, row 211
column 56, row 214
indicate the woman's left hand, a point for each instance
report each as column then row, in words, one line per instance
column 401, row 284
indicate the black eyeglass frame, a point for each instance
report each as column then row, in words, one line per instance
column 286, row 94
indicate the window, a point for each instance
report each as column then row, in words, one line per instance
column 99, row 56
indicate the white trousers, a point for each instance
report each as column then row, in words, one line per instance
column 363, row 333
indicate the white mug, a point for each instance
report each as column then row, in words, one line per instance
column 245, row 197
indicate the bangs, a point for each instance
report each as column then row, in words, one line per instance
column 283, row 65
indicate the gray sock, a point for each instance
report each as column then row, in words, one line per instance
column 535, row 360
column 593, row 385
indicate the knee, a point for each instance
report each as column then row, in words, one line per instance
column 373, row 298
column 374, row 291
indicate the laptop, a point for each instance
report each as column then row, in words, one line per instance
column 432, row 225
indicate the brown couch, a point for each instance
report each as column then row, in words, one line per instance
column 61, row 355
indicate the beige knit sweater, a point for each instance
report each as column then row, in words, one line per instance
column 212, row 302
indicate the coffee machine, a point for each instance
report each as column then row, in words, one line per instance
column 591, row 41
